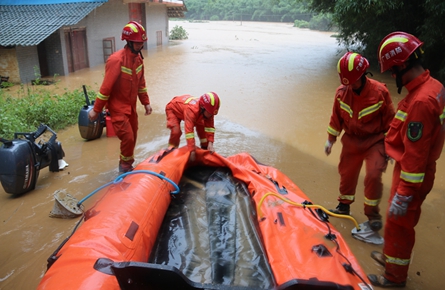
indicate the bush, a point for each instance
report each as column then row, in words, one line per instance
column 25, row 114
column 301, row 24
column 214, row 18
column 178, row 32
column 321, row 22
column 6, row 84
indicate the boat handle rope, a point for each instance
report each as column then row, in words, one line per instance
column 260, row 213
column 121, row 177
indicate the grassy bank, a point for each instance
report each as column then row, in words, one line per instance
column 26, row 111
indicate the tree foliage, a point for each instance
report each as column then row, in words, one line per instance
column 251, row 10
column 363, row 24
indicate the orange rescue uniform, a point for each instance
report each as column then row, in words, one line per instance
column 415, row 141
column 124, row 81
column 186, row 108
column 365, row 118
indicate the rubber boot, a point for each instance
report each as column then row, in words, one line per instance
column 341, row 208
column 125, row 167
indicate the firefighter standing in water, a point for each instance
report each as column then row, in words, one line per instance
column 415, row 141
column 123, row 82
column 195, row 112
column 363, row 109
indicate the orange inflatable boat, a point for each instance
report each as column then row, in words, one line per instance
column 220, row 223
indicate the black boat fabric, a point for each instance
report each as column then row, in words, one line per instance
column 210, row 234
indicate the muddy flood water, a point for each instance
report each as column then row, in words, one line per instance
column 277, row 85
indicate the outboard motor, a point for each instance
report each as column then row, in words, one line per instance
column 90, row 130
column 22, row 158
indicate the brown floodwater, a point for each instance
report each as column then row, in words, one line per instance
column 277, row 85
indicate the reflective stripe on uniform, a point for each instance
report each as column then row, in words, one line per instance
column 347, row 197
column 203, row 140
column 189, row 135
column 126, row 70
column 332, row 131
column 412, row 177
column 372, row 202
column 189, row 99
column 103, row 97
column 401, row 115
column 397, row 261
column 209, row 130
column 370, row 110
column 144, row 90
column 127, row 158
column 139, row 69
column 345, row 107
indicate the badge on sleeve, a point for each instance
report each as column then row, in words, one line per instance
column 414, row 131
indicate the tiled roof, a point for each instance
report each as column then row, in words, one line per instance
column 29, row 25
column 177, row 12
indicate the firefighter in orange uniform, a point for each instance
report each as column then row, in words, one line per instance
column 195, row 112
column 123, row 83
column 363, row 109
column 415, row 141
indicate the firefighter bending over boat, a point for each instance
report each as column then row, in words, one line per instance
column 363, row 109
column 123, row 83
column 195, row 112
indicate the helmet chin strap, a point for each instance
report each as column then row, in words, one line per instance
column 202, row 111
column 130, row 45
column 363, row 82
column 399, row 76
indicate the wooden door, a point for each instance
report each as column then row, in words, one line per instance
column 109, row 47
column 158, row 37
column 76, row 49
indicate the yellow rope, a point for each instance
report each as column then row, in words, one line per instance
column 260, row 213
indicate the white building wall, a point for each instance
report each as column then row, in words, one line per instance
column 108, row 21
column 103, row 22
column 157, row 20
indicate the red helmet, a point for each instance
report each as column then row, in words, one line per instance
column 351, row 67
column 210, row 102
column 396, row 48
column 133, row 31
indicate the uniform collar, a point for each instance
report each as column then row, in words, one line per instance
column 129, row 53
column 412, row 85
column 363, row 89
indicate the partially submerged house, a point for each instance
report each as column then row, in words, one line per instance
column 57, row 37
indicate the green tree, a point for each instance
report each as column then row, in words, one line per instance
column 249, row 10
column 363, row 24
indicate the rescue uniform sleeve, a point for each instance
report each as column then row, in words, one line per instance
column 417, row 133
column 389, row 111
column 336, row 122
column 112, row 73
column 189, row 127
column 209, row 128
column 142, row 89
